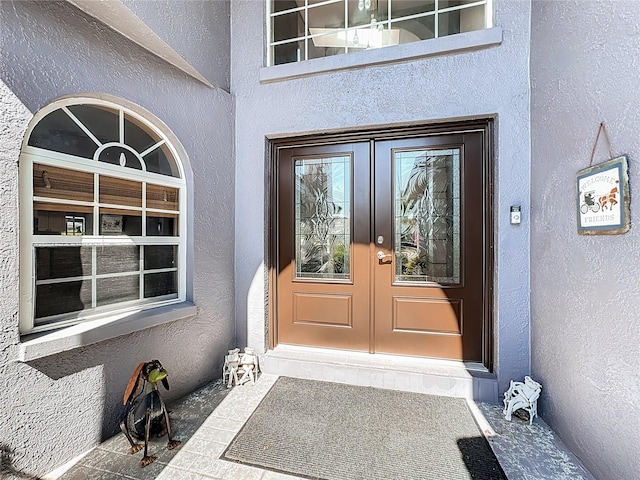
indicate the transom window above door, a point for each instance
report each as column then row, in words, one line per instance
column 305, row 29
column 102, row 222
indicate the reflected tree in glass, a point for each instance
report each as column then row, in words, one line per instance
column 427, row 216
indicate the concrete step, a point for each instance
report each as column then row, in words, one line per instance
column 411, row 374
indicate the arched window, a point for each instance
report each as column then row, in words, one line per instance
column 102, row 215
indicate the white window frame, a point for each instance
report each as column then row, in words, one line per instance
column 349, row 32
column 28, row 241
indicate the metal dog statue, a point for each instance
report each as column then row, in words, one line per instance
column 146, row 409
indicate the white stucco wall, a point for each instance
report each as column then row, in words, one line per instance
column 585, row 290
column 488, row 82
column 60, row 406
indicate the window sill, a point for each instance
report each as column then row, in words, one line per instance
column 399, row 53
column 40, row 345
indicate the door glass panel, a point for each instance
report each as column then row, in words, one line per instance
column 323, row 217
column 427, row 215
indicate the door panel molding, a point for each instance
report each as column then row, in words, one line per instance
column 407, row 310
column 311, row 309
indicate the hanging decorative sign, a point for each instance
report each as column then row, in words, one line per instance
column 603, row 196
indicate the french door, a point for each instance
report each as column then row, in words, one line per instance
column 382, row 245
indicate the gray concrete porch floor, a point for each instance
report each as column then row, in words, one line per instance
column 207, row 420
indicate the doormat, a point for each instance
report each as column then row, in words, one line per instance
column 332, row 431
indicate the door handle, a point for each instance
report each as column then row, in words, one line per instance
column 381, row 255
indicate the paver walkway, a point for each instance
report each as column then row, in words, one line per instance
column 207, row 420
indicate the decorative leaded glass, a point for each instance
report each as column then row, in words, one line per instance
column 427, row 216
column 323, row 217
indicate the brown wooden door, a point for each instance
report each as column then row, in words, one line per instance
column 385, row 252
column 323, row 246
column 430, row 215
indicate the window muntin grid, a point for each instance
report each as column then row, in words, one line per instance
column 106, row 234
column 305, row 29
column 104, row 134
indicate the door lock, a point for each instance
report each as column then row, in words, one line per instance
column 381, row 255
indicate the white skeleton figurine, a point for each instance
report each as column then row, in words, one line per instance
column 249, row 366
column 522, row 395
column 231, row 365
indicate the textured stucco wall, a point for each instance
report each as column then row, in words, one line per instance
column 491, row 81
column 207, row 29
column 585, row 293
column 60, row 406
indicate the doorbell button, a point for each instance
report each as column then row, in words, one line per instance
column 515, row 215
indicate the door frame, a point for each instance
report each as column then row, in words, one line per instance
column 274, row 143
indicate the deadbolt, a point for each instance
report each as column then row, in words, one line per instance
column 380, row 239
